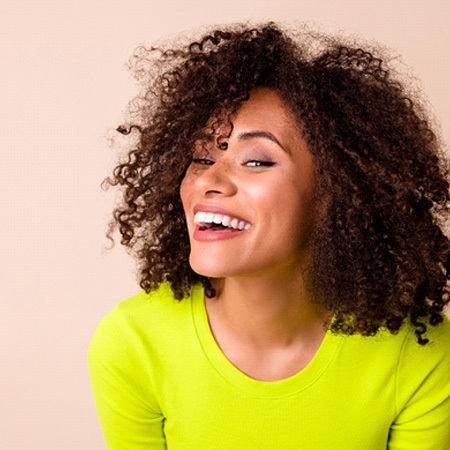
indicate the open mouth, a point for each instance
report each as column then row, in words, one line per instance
column 219, row 222
column 213, row 227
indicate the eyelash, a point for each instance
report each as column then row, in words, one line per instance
column 258, row 163
column 203, row 161
column 254, row 162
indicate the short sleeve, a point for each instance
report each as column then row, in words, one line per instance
column 122, row 387
column 423, row 394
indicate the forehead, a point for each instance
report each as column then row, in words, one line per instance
column 265, row 111
column 266, row 106
column 264, row 114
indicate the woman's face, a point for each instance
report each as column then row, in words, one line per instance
column 249, row 208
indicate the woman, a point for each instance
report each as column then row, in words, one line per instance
column 291, row 194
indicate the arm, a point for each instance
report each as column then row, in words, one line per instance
column 122, row 387
column 423, row 394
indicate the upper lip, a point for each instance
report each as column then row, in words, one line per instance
column 217, row 210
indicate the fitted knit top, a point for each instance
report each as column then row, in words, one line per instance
column 160, row 381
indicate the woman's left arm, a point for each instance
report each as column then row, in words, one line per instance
column 423, row 394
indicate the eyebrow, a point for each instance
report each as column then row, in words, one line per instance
column 247, row 135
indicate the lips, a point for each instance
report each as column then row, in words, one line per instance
column 213, row 223
column 209, row 220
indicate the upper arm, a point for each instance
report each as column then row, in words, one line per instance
column 423, row 395
column 122, row 387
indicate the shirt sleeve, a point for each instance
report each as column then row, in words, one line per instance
column 423, row 394
column 121, row 381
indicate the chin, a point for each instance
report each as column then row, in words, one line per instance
column 208, row 269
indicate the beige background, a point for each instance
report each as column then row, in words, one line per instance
column 63, row 85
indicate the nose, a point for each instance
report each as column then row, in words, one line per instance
column 217, row 179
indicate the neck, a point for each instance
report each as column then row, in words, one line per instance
column 266, row 312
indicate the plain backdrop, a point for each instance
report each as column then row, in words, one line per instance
column 63, row 87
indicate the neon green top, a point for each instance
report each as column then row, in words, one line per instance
column 161, row 382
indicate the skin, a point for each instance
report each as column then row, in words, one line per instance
column 262, row 316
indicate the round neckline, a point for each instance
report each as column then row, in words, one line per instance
column 250, row 386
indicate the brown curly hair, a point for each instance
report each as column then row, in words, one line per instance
column 380, row 255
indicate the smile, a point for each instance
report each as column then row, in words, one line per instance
column 212, row 221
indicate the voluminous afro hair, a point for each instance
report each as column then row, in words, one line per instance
column 379, row 252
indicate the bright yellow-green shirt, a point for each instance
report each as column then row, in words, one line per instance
column 161, row 382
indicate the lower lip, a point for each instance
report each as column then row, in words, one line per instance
column 216, row 235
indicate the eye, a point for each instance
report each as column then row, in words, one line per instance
column 257, row 163
column 203, row 161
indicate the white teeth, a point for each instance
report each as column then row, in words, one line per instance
column 202, row 218
column 199, row 217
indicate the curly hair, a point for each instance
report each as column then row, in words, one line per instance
column 380, row 255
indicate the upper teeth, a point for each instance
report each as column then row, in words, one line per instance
column 202, row 218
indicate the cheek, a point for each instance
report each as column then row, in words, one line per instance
column 184, row 191
column 274, row 196
column 189, row 195
column 287, row 206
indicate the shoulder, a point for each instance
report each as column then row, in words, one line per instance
column 403, row 345
column 423, row 371
column 140, row 323
column 156, row 302
column 400, row 355
column 436, row 351
column 435, row 355
column 148, row 309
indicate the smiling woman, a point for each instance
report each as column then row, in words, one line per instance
column 292, row 194
column 263, row 158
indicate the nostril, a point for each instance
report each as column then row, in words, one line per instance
column 213, row 191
